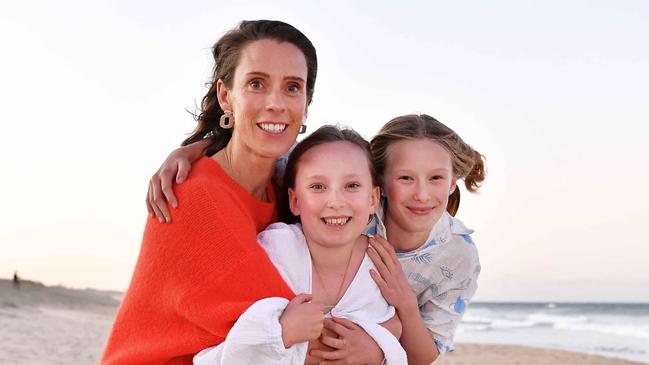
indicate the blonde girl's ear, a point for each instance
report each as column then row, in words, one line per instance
column 223, row 95
column 374, row 199
column 292, row 202
column 453, row 185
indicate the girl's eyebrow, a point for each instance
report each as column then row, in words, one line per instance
column 439, row 169
column 323, row 177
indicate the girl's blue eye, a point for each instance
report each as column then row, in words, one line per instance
column 407, row 178
column 353, row 185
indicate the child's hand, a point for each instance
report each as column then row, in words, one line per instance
column 352, row 344
column 390, row 278
column 176, row 167
column 301, row 321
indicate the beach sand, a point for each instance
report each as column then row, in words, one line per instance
column 42, row 325
column 466, row 354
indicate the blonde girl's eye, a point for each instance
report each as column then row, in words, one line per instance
column 437, row 177
column 405, row 178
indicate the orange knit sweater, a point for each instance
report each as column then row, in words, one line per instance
column 195, row 276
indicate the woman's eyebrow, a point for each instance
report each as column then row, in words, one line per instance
column 263, row 74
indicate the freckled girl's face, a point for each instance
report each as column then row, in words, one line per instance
column 334, row 194
column 418, row 180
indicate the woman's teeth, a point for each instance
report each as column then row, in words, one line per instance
column 336, row 221
column 273, row 127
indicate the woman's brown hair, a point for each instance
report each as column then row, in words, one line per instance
column 227, row 52
column 468, row 164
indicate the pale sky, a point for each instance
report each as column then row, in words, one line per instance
column 553, row 93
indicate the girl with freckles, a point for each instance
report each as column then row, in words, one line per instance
column 426, row 263
column 332, row 193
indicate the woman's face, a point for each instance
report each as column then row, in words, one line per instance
column 333, row 194
column 268, row 97
column 418, row 179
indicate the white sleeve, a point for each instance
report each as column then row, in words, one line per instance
column 256, row 338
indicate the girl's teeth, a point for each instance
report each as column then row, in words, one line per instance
column 273, row 127
column 336, row 221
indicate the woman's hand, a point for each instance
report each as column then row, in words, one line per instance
column 175, row 167
column 390, row 277
column 352, row 346
column 302, row 320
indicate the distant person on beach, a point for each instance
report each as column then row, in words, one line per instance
column 16, row 280
column 429, row 272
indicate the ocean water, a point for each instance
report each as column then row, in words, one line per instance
column 614, row 330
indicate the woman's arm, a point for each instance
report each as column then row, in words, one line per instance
column 175, row 167
column 415, row 338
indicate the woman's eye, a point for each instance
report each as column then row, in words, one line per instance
column 255, row 84
column 293, row 88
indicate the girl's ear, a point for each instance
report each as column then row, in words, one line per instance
column 374, row 199
column 223, row 95
column 292, row 202
column 453, row 185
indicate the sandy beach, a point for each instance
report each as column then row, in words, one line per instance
column 42, row 325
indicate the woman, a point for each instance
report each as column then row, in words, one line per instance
column 181, row 298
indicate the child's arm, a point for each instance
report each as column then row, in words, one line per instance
column 415, row 338
column 175, row 167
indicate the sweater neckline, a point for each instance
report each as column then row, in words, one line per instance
column 232, row 184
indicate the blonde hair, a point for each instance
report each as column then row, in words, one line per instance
column 468, row 164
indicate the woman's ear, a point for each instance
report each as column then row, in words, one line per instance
column 223, row 95
column 375, row 198
column 292, row 202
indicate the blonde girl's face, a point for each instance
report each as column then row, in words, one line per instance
column 333, row 194
column 418, row 180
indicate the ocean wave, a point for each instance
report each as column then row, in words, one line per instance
column 560, row 322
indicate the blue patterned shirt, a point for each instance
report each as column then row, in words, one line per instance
column 442, row 272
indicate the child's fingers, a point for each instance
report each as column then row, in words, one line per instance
column 338, row 329
column 336, row 343
column 378, row 280
column 379, row 263
column 385, row 255
column 388, row 247
column 328, row 355
column 345, row 322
